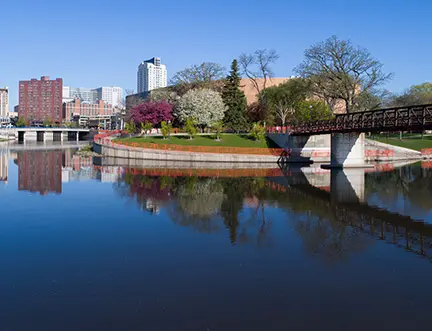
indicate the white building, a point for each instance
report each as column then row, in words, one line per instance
column 112, row 95
column 151, row 75
column 4, row 102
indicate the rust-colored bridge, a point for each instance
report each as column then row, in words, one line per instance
column 407, row 118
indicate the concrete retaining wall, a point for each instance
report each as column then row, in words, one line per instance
column 127, row 152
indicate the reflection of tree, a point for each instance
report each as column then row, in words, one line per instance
column 406, row 182
column 198, row 201
column 331, row 239
column 150, row 192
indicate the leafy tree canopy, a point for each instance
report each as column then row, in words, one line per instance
column 204, row 105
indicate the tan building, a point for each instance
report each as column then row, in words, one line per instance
column 4, row 102
column 250, row 91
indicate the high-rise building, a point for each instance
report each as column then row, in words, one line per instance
column 112, row 95
column 4, row 102
column 41, row 99
column 151, row 75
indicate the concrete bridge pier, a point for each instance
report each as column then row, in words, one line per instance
column 347, row 150
column 347, row 185
column 49, row 136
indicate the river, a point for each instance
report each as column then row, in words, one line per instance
column 169, row 247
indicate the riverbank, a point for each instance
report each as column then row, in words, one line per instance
column 415, row 142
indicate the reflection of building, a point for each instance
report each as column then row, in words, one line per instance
column 41, row 99
column 40, row 171
column 151, row 75
column 4, row 159
column 76, row 167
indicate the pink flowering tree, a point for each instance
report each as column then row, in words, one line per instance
column 153, row 112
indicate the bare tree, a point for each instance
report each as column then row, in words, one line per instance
column 197, row 74
column 129, row 91
column 257, row 67
column 283, row 110
column 340, row 70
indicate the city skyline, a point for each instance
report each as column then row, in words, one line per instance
column 181, row 45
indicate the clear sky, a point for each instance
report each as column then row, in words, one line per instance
column 91, row 43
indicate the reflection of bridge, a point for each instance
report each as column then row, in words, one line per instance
column 14, row 146
column 345, row 203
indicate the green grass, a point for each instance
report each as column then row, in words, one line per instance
column 229, row 140
column 412, row 143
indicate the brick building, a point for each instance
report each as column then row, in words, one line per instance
column 82, row 108
column 41, row 100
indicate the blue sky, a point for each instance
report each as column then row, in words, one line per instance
column 96, row 43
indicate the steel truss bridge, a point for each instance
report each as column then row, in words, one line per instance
column 409, row 118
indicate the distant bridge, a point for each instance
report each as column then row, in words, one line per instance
column 44, row 134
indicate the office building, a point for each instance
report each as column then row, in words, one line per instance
column 82, row 108
column 4, row 101
column 151, row 75
column 112, row 95
column 41, row 100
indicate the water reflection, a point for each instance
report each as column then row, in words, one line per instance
column 176, row 247
column 328, row 209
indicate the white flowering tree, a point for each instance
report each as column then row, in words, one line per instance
column 204, row 105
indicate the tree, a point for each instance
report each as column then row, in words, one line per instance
column 199, row 74
column 164, row 94
column 312, row 110
column 152, row 112
column 257, row 132
column 190, row 127
column 257, row 67
column 166, row 129
column 235, row 100
column 283, row 99
column 21, row 122
column 340, row 70
column 415, row 95
column 204, row 105
column 218, row 127
column 130, row 127
column 146, row 127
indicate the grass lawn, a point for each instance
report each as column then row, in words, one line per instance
column 412, row 143
column 229, row 140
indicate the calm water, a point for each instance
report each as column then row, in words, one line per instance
column 86, row 247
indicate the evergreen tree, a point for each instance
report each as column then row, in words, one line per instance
column 235, row 100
